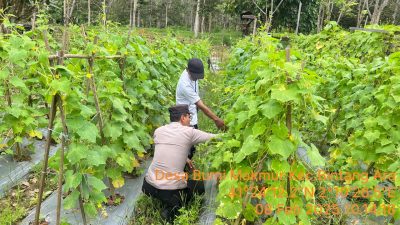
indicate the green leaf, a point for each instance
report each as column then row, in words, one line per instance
column 286, row 218
column 88, row 132
column 17, row 56
column 232, row 143
column 279, row 166
column 96, row 158
column 87, row 111
column 372, row 135
column 62, row 85
column 125, row 161
column 386, row 149
column 259, row 128
column 132, row 141
column 118, row 105
column 96, row 183
column 229, row 209
column 271, row 109
column 113, row 131
column 63, row 71
column 19, row 83
column 304, row 217
column 315, row 157
column 76, row 152
column 72, row 180
column 281, row 147
column 280, row 130
column 71, row 200
column 90, row 209
column 285, row 94
column 250, row 145
column 4, row 74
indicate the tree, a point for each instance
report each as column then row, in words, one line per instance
column 378, row 9
column 197, row 20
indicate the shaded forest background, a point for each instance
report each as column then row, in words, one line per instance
column 210, row 15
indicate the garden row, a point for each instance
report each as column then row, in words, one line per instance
column 100, row 95
column 335, row 94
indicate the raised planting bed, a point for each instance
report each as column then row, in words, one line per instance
column 11, row 171
column 120, row 214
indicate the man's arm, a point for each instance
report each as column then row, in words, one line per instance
column 218, row 121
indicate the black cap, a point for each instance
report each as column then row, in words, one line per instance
column 179, row 110
column 196, row 68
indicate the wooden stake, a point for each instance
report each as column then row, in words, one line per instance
column 99, row 113
column 289, row 126
column 61, row 165
column 96, row 101
column 53, row 110
column 121, row 64
column 255, row 27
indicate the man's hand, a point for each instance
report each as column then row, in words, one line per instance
column 220, row 124
column 190, row 164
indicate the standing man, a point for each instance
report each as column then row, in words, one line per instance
column 165, row 178
column 187, row 92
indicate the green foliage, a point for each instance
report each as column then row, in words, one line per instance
column 132, row 95
column 258, row 93
column 147, row 211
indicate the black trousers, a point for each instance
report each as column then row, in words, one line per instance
column 193, row 149
column 173, row 200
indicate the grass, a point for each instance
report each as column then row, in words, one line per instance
column 147, row 211
column 222, row 37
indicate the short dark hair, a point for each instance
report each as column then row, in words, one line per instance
column 175, row 112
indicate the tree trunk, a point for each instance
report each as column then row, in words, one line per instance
column 339, row 17
column 360, row 8
column 138, row 18
column 320, row 17
column 329, row 11
column 378, row 9
column 135, row 4
column 150, row 14
column 266, row 12
column 197, row 20
column 166, row 13
column 375, row 12
column 104, row 17
column 71, row 10
column 396, row 10
column 130, row 14
column 209, row 22
column 191, row 18
column 298, row 18
column 89, row 12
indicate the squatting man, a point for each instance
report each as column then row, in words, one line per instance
column 172, row 145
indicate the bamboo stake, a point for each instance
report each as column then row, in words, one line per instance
column 63, row 146
column 121, row 64
column 289, row 126
column 78, row 56
column 96, row 100
column 53, row 110
column 61, row 173
column 8, row 93
column 98, row 110
column 255, row 26
column 249, row 193
column 61, row 165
